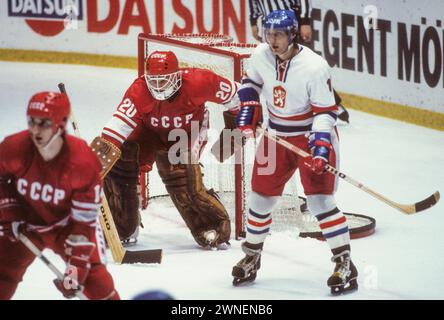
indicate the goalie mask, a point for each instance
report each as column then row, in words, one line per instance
column 54, row 107
column 162, row 74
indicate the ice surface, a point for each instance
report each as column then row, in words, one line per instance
column 403, row 260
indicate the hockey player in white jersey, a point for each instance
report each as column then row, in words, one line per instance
column 295, row 83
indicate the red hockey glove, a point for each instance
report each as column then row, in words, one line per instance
column 78, row 250
column 249, row 117
column 11, row 209
column 320, row 146
column 10, row 229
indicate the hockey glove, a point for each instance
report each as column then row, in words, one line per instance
column 320, row 146
column 78, row 250
column 10, row 229
column 249, row 117
column 11, row 209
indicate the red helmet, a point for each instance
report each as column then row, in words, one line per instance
column 50, row 105
column 162, row 74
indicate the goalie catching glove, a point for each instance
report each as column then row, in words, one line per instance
column 228, row 141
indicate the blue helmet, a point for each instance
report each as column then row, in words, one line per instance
column 153, row 295
column 281, row 20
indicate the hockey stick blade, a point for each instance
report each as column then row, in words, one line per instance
column 404, row 208
column 421, row 205
column 143, row 256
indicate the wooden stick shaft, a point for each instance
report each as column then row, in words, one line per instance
column 106, row 218
column 38, row 253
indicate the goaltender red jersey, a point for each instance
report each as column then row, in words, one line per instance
column 161, row 116
column 54, row 191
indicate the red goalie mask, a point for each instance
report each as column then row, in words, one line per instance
column 162, row 74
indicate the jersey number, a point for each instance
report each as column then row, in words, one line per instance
column 224, row 92
column 127, row 108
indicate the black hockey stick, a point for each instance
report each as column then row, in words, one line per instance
column 38, row 253
column 120, row 255
column 404, row 208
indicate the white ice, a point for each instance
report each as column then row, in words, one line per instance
column 403, row 260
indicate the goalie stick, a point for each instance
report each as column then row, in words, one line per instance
column 120, row 255
column 38, row 253
column 404, row 208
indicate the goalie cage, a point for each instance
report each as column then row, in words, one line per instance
column 230, row 180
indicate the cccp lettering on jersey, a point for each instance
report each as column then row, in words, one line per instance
column 37, row 191
column 171, row 122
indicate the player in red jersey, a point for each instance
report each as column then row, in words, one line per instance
column 50, row 191
column 164, row 99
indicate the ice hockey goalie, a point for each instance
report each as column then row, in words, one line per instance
column 167, row 97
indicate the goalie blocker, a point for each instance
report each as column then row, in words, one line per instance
column 106, row 152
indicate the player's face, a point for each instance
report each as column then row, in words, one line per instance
column 158, row 84
column 163, row 86
column 41, row 130
column 278, row 41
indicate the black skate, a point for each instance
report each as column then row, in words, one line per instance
column 131, row 240
column 344, row 277
column 245, row 271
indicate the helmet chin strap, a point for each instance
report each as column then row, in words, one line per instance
column 287, row 53
column 290, row 47
column 54, row 138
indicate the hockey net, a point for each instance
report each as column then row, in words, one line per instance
column 231, row 179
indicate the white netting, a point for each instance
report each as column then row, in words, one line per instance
column 199, row 56
column 199, row 38
column 229, row 60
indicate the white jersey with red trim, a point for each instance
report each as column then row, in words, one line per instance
column 298, row 92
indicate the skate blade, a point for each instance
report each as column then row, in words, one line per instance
column 129, row 243
column 240, row 282
column 350, row 287
column 241, row 278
